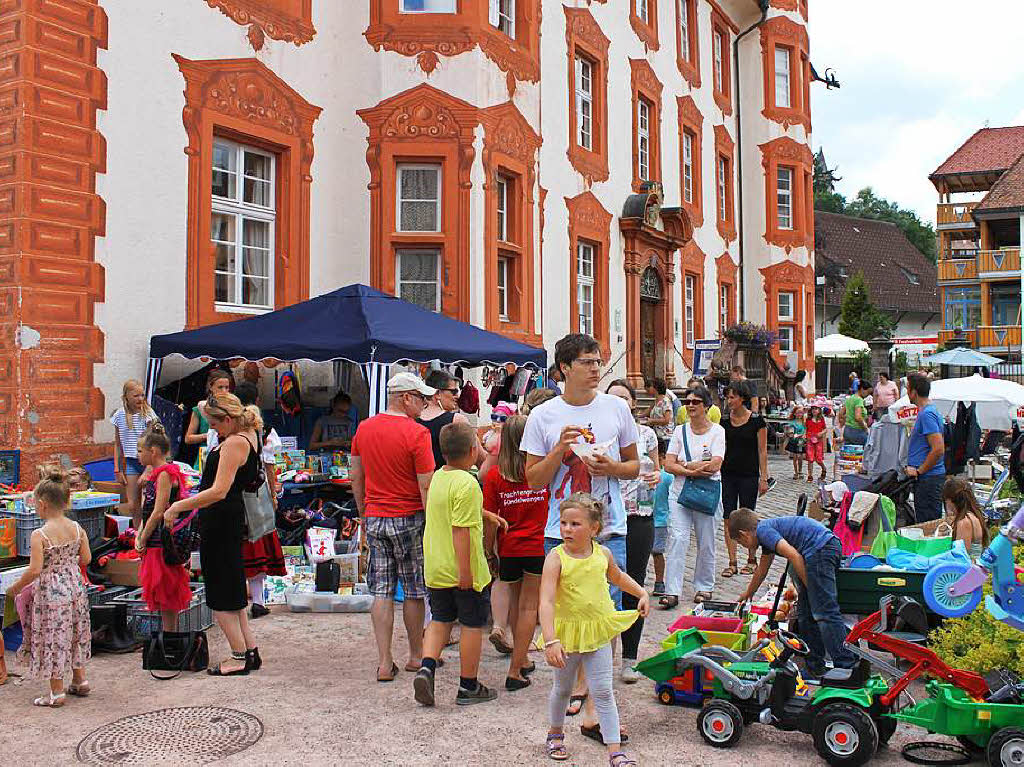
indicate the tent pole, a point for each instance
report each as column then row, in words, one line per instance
column 828, row 379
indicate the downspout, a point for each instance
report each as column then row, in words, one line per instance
column 763, row 5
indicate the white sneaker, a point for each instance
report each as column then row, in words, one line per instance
column 630, row 675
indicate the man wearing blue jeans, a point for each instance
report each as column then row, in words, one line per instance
column 926, row 454
column 583, row 415
column 814, row 554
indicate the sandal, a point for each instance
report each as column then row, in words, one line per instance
column 53, row 701
column 555, row 743
column 701, row 596
column 748, row 568
column 577, row 701
column 500, row 643
column 619, row 759
column 79, row 690
column 731, row 570
column 669, row 602
column 594, row 733
column 391, row 677
column 219, row 671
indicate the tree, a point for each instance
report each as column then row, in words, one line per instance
column 859, row 318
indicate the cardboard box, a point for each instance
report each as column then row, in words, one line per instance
column 111, row 487
column 123, row 572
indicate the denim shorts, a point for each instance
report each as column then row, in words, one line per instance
column 132, row 467
column 616, row 544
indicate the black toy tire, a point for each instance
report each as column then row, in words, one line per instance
column 969, row 744
column 1008, row 736
column 666, row 697
column 843, row 720
column 886, row 726
column 726, row 713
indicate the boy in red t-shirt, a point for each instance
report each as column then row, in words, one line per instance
column 521, row 546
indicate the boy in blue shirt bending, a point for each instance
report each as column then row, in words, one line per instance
column 814, row 554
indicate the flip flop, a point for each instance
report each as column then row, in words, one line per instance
column 573, row 700
column 394, row 673
column 594, row 733
column 748, row 568
column 730, row 571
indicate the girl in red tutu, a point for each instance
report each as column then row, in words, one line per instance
column 164, row 587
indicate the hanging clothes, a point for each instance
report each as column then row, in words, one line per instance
column 500, row 392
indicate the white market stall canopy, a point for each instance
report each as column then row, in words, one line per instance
column 995, row 398
column 838, row 345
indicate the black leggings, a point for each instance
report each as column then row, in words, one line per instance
column 639, row 542
column 739, row 492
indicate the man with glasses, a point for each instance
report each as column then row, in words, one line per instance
column 391, row 467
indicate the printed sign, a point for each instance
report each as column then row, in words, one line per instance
column 907, row 413
column 703, row 352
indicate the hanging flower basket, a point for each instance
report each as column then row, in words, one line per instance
column 748, row 334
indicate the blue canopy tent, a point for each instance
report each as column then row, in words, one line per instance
column 357, row 324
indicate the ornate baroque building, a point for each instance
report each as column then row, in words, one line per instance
column 637, row 169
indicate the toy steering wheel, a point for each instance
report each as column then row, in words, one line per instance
column 792, row 642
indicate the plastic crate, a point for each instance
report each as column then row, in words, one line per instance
column 142, row 623
column 704, row 623
column 27, row 521
column 99, row 595
column 92, row 520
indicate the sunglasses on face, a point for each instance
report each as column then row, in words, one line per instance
column 452, row 391
column 499, row 418
column 693, row 402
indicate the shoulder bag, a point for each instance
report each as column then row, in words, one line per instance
column 175, row 651
column 259, row 507
column 701, row 494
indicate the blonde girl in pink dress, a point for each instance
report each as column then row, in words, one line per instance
column 55, row 610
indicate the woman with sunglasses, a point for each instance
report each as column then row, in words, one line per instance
column 696, row 449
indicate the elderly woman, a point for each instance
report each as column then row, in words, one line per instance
column 231, row 468
column 696, row 449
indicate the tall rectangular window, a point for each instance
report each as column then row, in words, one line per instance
column 688, row 139
column 786, row 338
column 963, row 308
column 503, row 188
column 689, row 309
column 724, row 301
column 641, row 10
column 242, row 225
column 787, row 303
column 723, row 189
column 782, row 83
column 419, row 198
column 429, row 6
column 718, row 46
column 503, row 282
column 684, row 30
column 643, row 139
column 419, row 277
column 584, row 102
column 784, row 198
column 503, row 16
column 585, row 278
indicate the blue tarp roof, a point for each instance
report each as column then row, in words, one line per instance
column 354, row 323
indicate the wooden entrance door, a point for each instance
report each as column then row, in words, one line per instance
column 648, row 339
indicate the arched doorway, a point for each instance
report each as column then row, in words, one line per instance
column 651, row 332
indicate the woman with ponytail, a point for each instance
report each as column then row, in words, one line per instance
column 231, row 468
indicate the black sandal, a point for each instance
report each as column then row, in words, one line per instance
column 243, row 671
column 594, row 733
column 394, row 673
column 253, row 661
column 669, row 602
column 580, row 699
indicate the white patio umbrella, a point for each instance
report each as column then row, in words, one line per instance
column 995, row 399
column 838, row 345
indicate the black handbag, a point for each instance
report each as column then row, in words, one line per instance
column 175, row 651
column 180, row 540
column 328, row 576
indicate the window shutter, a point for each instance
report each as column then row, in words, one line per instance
column 493, row 12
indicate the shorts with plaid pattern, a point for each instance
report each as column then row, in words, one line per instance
column 396, row 554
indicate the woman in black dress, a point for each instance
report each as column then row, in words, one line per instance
column 231, row 467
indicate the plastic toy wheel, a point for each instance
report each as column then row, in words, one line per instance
column 1006, row 748
column 886, row 726
column 970, row 744
column 936, row 592
column 666, row 696
column 845, row 735
column 720, row 724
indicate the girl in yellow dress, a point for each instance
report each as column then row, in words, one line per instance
column 578, row 621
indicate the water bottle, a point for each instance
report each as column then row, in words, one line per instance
column 644, row 493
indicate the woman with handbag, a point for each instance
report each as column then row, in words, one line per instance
column 233, row 467
column 694, row 458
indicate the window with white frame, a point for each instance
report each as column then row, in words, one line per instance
column 504, row 268
column 419, row 198
column 718, row 44
column 786, row 338
column 787, row 303
column 723, row 194
column 503, row 16
column 242, row 226
column 687, row 166
column 504, row 185
column 641, row 10
column 784, row 198
column 418, row 277
column 689, row 299
column 684, row 30
column 643, row 139
column 584, row 102
column 429, row 6
column 585, row 278
column 724, row 300
column 782, row 86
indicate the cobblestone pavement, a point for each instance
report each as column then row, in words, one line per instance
column 319, row 703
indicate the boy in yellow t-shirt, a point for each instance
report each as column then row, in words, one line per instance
column 455, row 569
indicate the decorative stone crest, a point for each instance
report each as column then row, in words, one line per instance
column 422, row 119
column 287, row 20
column 248, row 95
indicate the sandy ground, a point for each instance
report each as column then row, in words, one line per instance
column 320, row 704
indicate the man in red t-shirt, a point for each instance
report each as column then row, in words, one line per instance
column 392, row 463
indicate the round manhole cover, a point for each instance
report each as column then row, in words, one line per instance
column 189, row 735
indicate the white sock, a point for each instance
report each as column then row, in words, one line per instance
column 256, row 589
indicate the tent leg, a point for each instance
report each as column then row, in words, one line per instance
column 828, row 378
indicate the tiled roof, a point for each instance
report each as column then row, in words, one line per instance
column 898, row 275
column 1008, row 192
column 990, row 149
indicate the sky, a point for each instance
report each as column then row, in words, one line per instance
column 918, row 78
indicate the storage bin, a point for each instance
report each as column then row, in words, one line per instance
column 92, row 520
column 730, row 641
column 26, row 521
column 731, row 625
column 99, row 595
column 859, row 591
column 90, row 499
column 142, row 623
column 302, row 599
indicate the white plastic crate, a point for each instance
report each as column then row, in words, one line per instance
column 303, row 599
column 142, row 623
